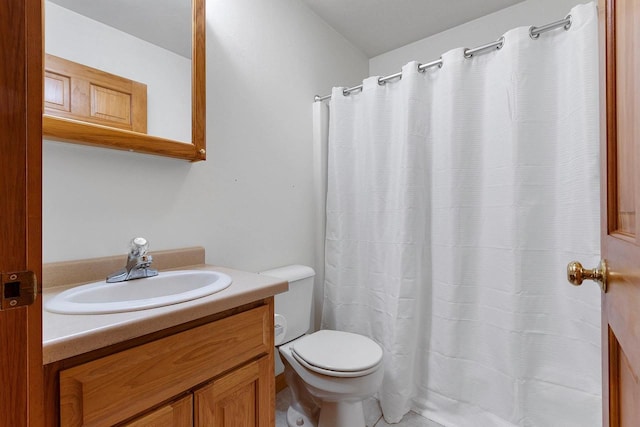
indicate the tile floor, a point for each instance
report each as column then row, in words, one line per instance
column 372, row 413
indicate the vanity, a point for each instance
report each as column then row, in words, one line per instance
column 205, row 362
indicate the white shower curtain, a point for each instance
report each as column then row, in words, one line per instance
column 456, row 197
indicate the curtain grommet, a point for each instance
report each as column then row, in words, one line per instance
column 531, row 32
column 568, row 25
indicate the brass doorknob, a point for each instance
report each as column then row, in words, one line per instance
column 576, row 274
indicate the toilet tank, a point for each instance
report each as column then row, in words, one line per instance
column 293, row 307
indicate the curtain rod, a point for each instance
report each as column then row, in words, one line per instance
column 534, row 33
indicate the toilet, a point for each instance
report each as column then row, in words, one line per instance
column 330, row 373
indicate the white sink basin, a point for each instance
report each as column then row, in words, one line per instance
column 166, row 288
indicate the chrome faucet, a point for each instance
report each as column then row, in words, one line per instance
column 138, row 263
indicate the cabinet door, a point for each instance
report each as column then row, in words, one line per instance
column 176, row 414
column 242, row 398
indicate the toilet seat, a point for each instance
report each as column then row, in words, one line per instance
column 337, row 353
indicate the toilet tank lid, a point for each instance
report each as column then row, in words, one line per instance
column 290, row 273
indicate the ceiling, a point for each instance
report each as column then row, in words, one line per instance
column 165, row 23
column 378, row 26
column 373, row 26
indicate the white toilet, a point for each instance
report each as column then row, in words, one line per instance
column 329, row 372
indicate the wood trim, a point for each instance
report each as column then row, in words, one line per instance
column 139, row 91
column 281, row 383
column 20, row 200
column 13, row 190
column 266, row 397
column 607, row 130
column 609, row 211
column 34, row 20
column 267, row 400
column 198, row 79
column 77, row 132
column 605, row 334
column 611, row 378
column 178, row 413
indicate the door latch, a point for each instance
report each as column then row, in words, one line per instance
column 17, row 289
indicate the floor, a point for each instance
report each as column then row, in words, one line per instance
column 372, row 414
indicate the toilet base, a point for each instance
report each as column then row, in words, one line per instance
column 332, row 414
column 341, row 414
column 296, row 418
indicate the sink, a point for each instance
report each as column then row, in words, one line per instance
column 166, row 288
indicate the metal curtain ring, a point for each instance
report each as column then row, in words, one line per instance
column 468, row 53
column 568, row 25
column 381, row 82
column 534, row 32
column 423, row 67
column 345, row 92
column 531, row 30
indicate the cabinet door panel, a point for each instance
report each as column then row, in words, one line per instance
column 241, row 398
column 175, row 414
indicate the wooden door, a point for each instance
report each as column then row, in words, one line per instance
column 241, row 398
column 21, row 402
column 175, row 414
column 620, row 221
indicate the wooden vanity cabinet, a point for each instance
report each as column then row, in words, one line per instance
column 212, row 372
column 175, row 414
column 236, row 396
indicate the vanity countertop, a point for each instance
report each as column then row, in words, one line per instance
column 66, row 335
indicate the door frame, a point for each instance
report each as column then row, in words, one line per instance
column 21, row 46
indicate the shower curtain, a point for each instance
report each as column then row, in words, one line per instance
column 456, row 197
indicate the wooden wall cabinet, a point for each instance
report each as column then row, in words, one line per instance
column 78, row 92
column 217, row 373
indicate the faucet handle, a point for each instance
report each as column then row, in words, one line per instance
column 139, row 246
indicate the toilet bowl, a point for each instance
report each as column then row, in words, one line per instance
column 337, row 384
column 330, row 373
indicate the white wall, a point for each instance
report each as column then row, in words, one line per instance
column 473, row 33
column 251, row 203
column 167, row 75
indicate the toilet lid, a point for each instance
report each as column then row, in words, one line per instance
column 336, row 353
